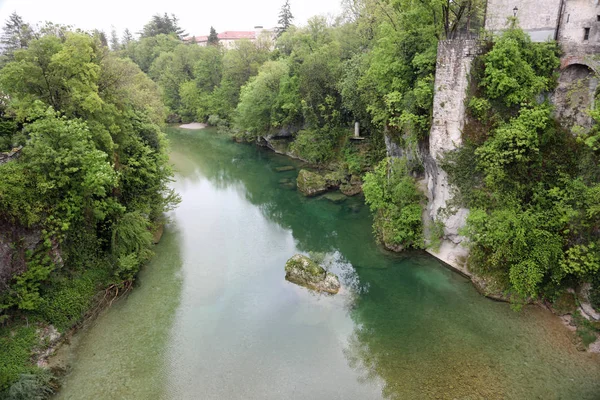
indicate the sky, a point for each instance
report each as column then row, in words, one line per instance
column 196, row 17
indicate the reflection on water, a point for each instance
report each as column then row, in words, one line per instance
column 231, row 327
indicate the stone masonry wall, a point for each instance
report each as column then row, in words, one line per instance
column 539, row 18
column 454, row 61
column 576, row 17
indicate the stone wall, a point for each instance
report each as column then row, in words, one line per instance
column 454, row 61
column 574, row 95
column 576, row 17
column 539, row 18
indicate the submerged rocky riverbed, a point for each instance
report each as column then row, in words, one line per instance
column 213, row 317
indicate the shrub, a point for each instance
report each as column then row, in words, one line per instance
column 315, row 146
column 15, row 351
column 36, row 386
column 393, row 196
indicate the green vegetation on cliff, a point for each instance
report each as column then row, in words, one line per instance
column 394, row 198
column 532, row 186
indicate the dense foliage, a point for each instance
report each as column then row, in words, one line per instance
column 393, row 196
column 373, row 65
column 91, row 182
column 531, row 185
column 88, row 187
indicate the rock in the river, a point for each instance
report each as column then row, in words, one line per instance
column 334, row 179
column 336, row 197
column 284, row 168
column 350, row 190
column 303, row 271
column 310, row 183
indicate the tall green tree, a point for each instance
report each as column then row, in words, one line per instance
column 16, row 35
column 286, row 18
column 127, row 37
column 165, row 25
column 213, row 38
column 114, row 40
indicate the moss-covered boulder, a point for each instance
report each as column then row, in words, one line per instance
column 350, row 190
column 335, row 178
column 310, row 183
column 303, row 271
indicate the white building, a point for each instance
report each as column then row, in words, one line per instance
column 228, row 39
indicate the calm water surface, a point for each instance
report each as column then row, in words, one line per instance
column 212, row 316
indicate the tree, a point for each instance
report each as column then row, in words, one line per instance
column 148, row 49
column 255, row 111
column 127, row 37
column 114, row 40
column 167, row 25
column 63, row 75
column 393, row 196
column 213, row 38
column 285, row 18
column 102, row 37
column 16, row 35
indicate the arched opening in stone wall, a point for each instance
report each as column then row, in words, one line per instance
column 575, row 96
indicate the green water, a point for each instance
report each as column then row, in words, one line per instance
column 213, row 318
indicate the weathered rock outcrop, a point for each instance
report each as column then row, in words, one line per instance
column 311, row 183
column 303, row 271
column 352, row 187
column 280, row 140
column 455, row 58
column 10, row 155
column 15, row 242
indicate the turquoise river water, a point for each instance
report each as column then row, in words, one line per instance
column 212, row 316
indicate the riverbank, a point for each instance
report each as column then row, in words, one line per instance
column 210, row 307
column 455, row 256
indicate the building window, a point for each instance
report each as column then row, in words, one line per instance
column 586, row 33
column 598, row 18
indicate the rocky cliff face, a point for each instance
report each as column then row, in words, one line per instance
column 15, row 243
column 575, row 94
column 455, row 58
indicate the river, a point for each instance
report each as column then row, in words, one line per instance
column 212, row 316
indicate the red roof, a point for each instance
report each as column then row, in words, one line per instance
column 233, row 35
column 227, row 35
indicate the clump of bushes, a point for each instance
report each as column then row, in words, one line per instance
column 395, row 200
column 531, row 185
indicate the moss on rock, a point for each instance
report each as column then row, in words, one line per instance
column 303, row 271
column 310, row 183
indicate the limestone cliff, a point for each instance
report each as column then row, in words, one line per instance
column 454, row 61
column 575, row 93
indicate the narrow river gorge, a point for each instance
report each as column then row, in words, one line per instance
column 212, row 316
